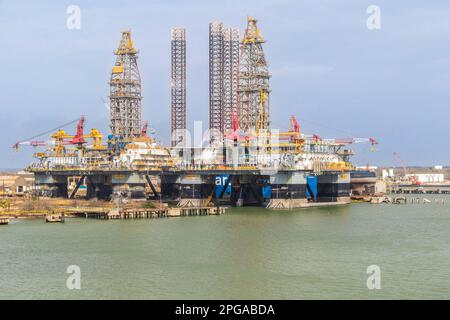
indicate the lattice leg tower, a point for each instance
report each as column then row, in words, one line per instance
column 178, row 90
column 230, row 76
column 215, row 75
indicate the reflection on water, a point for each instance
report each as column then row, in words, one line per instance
column 248, row 253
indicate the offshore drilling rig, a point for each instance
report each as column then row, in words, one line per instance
column 243, row 161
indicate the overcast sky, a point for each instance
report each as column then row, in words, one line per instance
column 338, row 77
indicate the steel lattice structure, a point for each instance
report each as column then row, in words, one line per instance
column 223, row 75
column 230, row 76
column 125, row 91
column 253, row 90
column 178, row 107
column 215, row 75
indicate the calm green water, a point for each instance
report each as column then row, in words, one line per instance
column 248, row 253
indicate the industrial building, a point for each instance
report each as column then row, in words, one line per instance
column 242, row 162
column 16, row 184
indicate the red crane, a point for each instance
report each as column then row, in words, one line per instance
column 295, row 124
column 79, row 136
column 316, row 138
column 144, row 129
column 234, row 135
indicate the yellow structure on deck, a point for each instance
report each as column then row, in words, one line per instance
column 252, row 33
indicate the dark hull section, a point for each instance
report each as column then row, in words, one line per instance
column 289, row 191
column 278, row 189
column 99, row 191
column 248, row 191
column 196, row 191
column 333, row 187
column 170, row 191
column 137, row 192
column 59, row 190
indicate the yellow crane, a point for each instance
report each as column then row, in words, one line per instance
column 96, row 137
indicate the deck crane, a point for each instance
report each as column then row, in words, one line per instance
column 31, row 142
column 78, row 139
column 293, row 135
column 295, row 126
column 348, row 141
column 61, row 138
column 35, row 143
column 96, row 137
column 294, row 131
column 144, row 129
column 235, row 135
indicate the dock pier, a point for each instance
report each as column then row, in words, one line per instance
column 421, row 189
column 124, row 214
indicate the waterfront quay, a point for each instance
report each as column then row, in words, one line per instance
column 422, row 188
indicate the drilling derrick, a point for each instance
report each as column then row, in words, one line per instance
column 178, row 91
column 230, row 76
column 125, row 91
column 253, row 90
column 215, row 76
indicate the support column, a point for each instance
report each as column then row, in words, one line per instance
column 196, row 191
column 333, row 187
column 288, row 190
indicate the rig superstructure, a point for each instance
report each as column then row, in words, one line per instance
column 243, row 161
column 254, row 77
column 125, row 91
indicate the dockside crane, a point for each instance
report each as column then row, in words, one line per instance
column 399, row 160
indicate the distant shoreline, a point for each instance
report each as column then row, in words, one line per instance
column 9, row 170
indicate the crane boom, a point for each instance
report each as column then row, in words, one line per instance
column 16, row 145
